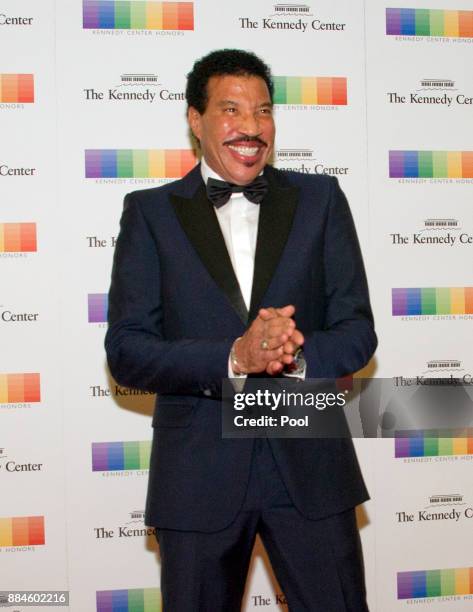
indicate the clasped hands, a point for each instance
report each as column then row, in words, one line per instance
column 269, row 344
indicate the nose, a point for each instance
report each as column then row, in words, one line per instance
column 250, row 124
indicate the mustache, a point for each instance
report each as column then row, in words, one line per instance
column 249, row 139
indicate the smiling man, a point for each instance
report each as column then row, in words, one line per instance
column 236, row 127
column 239, row 269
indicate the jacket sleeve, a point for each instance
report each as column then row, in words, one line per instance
column 348, row 340
column 138, row 354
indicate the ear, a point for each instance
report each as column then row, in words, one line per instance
column 195, row 121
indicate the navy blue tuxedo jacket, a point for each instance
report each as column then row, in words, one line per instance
column 176, row 308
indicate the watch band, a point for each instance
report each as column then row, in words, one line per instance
column 234, row 360
column 297, row 368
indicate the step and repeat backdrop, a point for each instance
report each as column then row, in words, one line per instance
column 378, row 94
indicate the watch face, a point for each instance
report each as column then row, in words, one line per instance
column 297, row 367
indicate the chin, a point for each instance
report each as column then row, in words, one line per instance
column 247, row 177
column 249, row 170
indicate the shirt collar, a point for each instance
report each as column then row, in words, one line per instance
column 207, row 172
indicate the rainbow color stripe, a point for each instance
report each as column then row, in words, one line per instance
column 435, row 583
column 129, row 600
column 138, row 163
column 22, row 531
column 19, row 388
column 137, row 15
column 432, row 301
column 429, row 22
column 17, row 88
column 310, row 90
column 433, row 443
column 431, row 164
column 98, row 307
column 18, row 238
column 114, row 456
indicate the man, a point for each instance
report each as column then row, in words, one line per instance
column 202, row 290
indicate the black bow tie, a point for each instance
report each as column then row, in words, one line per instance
column 219, row 192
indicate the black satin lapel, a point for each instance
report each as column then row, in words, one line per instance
column 199, row 222
column 275, row 222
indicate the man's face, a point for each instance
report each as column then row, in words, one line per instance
column 236, row 130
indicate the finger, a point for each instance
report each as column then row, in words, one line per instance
column 290, row 347
column 286, row 359
column 278, row 326
column 278, row 333
column 286, row 311
column 267, row 313
column 267, row 355
column 295, row 341
column 274, row 367
column 270, row 312
column 274, row 342
column 297, row 337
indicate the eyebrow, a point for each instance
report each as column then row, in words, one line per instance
column 225, row 102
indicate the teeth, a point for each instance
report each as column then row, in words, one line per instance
column 247, row 151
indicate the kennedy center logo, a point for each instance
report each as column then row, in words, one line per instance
column 136, row 87
column 434, row 165
column 97, row 304
column 129, row 600
column 19, row 389
column 305, row 162
column 21, row 531
column 442, row 93
column 18, row 238
column 419, row 23
column 434, row 231
column 16, row 90
column 162, row 165
column 425, row 301
column 441, row 508
column 320, row 93
column 133, row 528
column 297, row 18
column 450, row 499
column 442, row 583
column 121, row 456
column 6, row 170
column 434, row 443
column 137, row 15
column 15, row 467
column 9, row 21
column 444, row 365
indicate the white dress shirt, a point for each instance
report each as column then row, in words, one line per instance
column 238, row 220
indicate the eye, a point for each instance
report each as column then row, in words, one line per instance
column 266, row 111
column 230, row 109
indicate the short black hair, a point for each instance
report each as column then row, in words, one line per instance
column 220, row 63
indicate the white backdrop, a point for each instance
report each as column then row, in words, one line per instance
column 109, row 76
